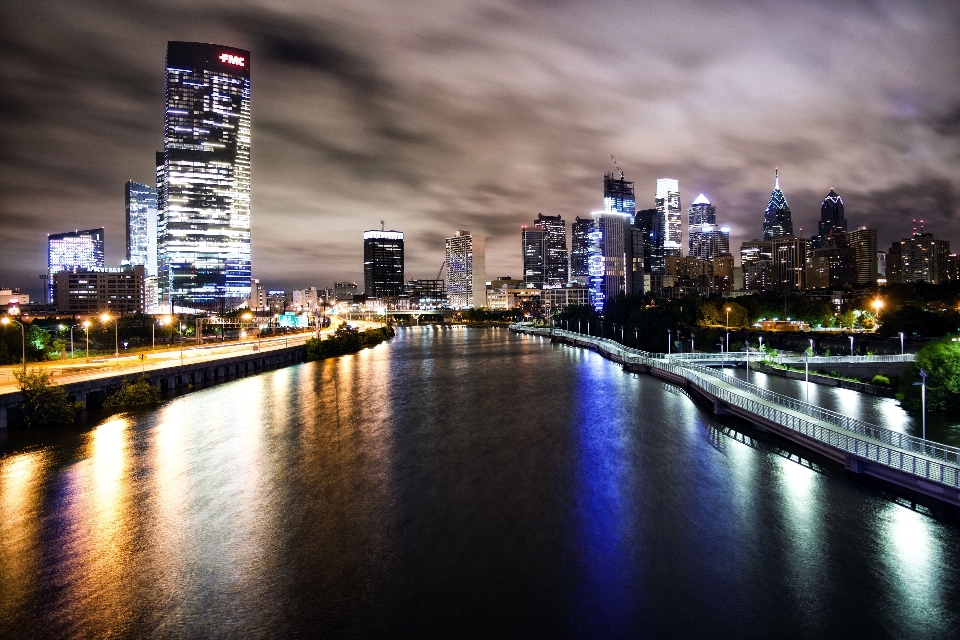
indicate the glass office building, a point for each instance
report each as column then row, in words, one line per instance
column 383, row 263
column 670, row 235
column 203, row 178
column 141, row 209
column 72, row 251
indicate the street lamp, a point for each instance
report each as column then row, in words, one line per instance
column 746, row 344
column 877, row 305
column 851, row 346
column 669, row 341
column 105, row 318
column 71, row 339
column 923, row 400
column 728, row 316
column 23, row 339
column 86, row 330
column 181, row 342
column 901, row 343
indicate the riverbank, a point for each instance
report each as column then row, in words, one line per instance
column 829, row 381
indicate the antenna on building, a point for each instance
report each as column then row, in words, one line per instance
column 617, row 166
column 382, row 226
column 921, row 226
column 914, row 226
column 776, row 173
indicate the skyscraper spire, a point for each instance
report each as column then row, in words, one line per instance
column 776, row 173
column 776, row 218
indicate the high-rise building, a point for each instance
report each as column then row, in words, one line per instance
column 579, row 249
column 555, row 258
column 777, row 221
column 669, row 220
column 466, row 270
column 277, row 300
column 756, row 260
column 258, row 295
column 705, row 238
column 863, row 243
column 532, row 243
column 618, row 195
column 141, row 209
column 383, row 263
column 641, row 253
column 344, row 291
column 921, row 258
column 789, row 262
column 831, row 219
column 607, row 257
column 203, row 177
column 881, row 264
column 72, row 251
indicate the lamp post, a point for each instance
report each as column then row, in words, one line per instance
column 105, row 318
column 23, row 340
column 901, row 343
column 722, row 361
column 181, row 342
column 71, row 339
column 728, row 316
column 636, row 338
column 851, row 346
column 669, row 341
column 728, row 341
column 746, row 344
column 691, row 344
column 86, row 330
column 923, row 400
column 877, row 305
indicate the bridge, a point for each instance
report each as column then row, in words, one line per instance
column 927, row 467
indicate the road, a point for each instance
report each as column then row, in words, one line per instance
column 79, row 369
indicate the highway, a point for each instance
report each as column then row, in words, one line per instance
column 79, row 369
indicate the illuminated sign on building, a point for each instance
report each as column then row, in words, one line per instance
column 229, row 58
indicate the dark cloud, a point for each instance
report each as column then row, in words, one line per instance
column 478, row 114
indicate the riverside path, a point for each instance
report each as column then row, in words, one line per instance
column 924, row 466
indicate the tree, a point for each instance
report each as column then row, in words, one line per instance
column 45, row 404
column 941, row 361
column 133, row 394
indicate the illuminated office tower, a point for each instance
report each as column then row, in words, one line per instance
column 618, row 195
column 466, row 271
column 72, row 251
column 203, row 178
column 141, row 208
column 831, row 219
column 383, row 263
column 609, row 247
column 706, row 239
column 580, row 249
column 670, row 217
column 544, row 245
column 776, row 218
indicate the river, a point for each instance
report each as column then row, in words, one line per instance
column 455, row 481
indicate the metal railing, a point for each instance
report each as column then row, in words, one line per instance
column 908, row 357
column 916, row 456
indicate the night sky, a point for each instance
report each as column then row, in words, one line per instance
column 438, row 116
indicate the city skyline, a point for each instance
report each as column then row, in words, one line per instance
column 343, row 133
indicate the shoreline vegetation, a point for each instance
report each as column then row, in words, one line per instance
column 345, row 340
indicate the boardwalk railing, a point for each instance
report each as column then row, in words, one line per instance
column 916, row 456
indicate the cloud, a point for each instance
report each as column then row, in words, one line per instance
column 437, row 116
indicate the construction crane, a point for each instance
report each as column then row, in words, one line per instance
column 440, row 272
column 617, row 166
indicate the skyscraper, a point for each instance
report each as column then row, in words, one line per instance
column 669, row 216
column 383, row 263
column 618, row 195
column 466, row 271
column 641, row 254
column 863, row 243
column 607, row 257
column 706, row 239
column 533, row 242
column 776, row 218
column 72, row 251
column 203, row 177
column 831, row 219
column 141, row 209
column 789, row 262
column 580, row 249
column 555, row 258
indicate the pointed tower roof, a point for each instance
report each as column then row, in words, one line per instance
column 777, row 199
column 701, row 199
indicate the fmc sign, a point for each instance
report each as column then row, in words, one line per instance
column 229, row 58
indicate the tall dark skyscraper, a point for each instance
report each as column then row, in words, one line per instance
column 203, row 177
column 706, row 240
column 776, row 218
column 532, row 243
column 545, row 256
column 580, row 249
column 831, row 219
column 383, row 263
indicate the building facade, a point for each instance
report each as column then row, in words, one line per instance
column 831, row 219
column 777, row 220
column 863, row 244
column 203, row 178
column 344, row 291
column 533, row 242
column 466, row 271
column 383, row 263
column 669, row 234
column 921, row 258
column 580, row 249
column 756, row 260
column 607, row 258
column 141, row 213
column 789, row 262
column 89, row 292
column 72, row 251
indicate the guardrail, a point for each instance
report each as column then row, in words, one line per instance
column 923, row 458
column 908, row 357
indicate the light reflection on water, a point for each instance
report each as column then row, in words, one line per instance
column 455, row 481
